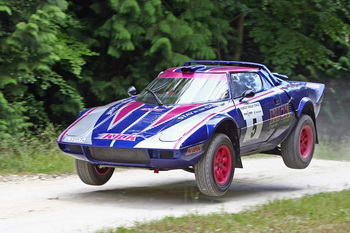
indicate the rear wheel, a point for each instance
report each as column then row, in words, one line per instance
column 214, row 171
column 93, row 174
column 298, row 148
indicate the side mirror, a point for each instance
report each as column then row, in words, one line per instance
column 247, row 94
column 132, row 91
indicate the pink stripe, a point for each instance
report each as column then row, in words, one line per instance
column 126, row 110
column 173, row 113
column 213, row 76
column 76, row 122
column 254, row 98
column 224, row 110
column 194, row 127
column 257, row 97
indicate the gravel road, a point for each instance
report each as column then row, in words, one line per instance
column 64, row 204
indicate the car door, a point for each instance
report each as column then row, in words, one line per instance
column 254, row 111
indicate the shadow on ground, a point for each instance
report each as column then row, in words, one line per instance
column 170, row 194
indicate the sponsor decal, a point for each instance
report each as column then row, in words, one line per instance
column 117, row 136
column 253, row 115
column 173, row 113
column 152, row 109
column 194, row 149
column 196, row 111
column 112, row 111
column 279, row 113
column 74, row 139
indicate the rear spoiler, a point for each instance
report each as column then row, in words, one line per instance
column 319, row 89
column 280, row 75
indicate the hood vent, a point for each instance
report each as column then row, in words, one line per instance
column 191, row 69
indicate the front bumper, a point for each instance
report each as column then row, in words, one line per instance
column 160, row 159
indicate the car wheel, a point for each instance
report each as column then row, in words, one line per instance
column 214, row 171
column 92, row 174
column 298, row 148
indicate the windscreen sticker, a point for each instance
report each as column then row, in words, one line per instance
column 253, row 115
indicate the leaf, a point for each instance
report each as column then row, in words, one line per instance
column 162, row 45
column 6, row 9
column 130, row 6
column 6, row 80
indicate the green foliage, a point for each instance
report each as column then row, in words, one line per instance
column 137, row 39
column 30, row 154
column 4, row 8
column 293, row 34
column 12, row 117
column 59, row 56
column 36, row 51
column 325, row 212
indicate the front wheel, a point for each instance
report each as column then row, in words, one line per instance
column 93, row 174
column 298, row 148
column 214, row 171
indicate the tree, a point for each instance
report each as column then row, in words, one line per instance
column 36, row 50
column 289, row 35
column 59, row 56
column 137, row 39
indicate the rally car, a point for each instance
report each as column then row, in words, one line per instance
column 201, row 117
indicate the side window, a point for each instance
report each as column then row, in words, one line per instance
column 266, row 84
column 245, row 81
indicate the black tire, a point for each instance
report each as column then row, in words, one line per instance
column 214, row 171
column 298, row 148
column 92, row 174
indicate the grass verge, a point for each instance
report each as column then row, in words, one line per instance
column 325, row 212
column 34, row 154
column 333, row 150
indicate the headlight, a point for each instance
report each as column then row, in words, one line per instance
column 172, row 136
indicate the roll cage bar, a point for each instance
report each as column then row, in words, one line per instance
column 273, row 78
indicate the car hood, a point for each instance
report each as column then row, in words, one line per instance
column 127, row 123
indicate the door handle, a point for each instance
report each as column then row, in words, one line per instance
column 277, row 101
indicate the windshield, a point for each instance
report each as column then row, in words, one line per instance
column 185, row 90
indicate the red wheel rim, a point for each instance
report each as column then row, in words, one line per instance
column 306, row 142
column 222, row 165
column 102, row 171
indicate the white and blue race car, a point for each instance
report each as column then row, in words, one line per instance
column 201, row 117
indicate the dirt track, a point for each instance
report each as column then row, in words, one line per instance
column 65, row 204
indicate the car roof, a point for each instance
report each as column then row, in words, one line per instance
column 211, row 66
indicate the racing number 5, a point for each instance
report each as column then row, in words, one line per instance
column 253, row 116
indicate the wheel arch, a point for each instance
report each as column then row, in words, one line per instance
column 306, row 107
column 229, row 128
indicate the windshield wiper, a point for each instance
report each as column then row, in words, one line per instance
column 155, row 97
